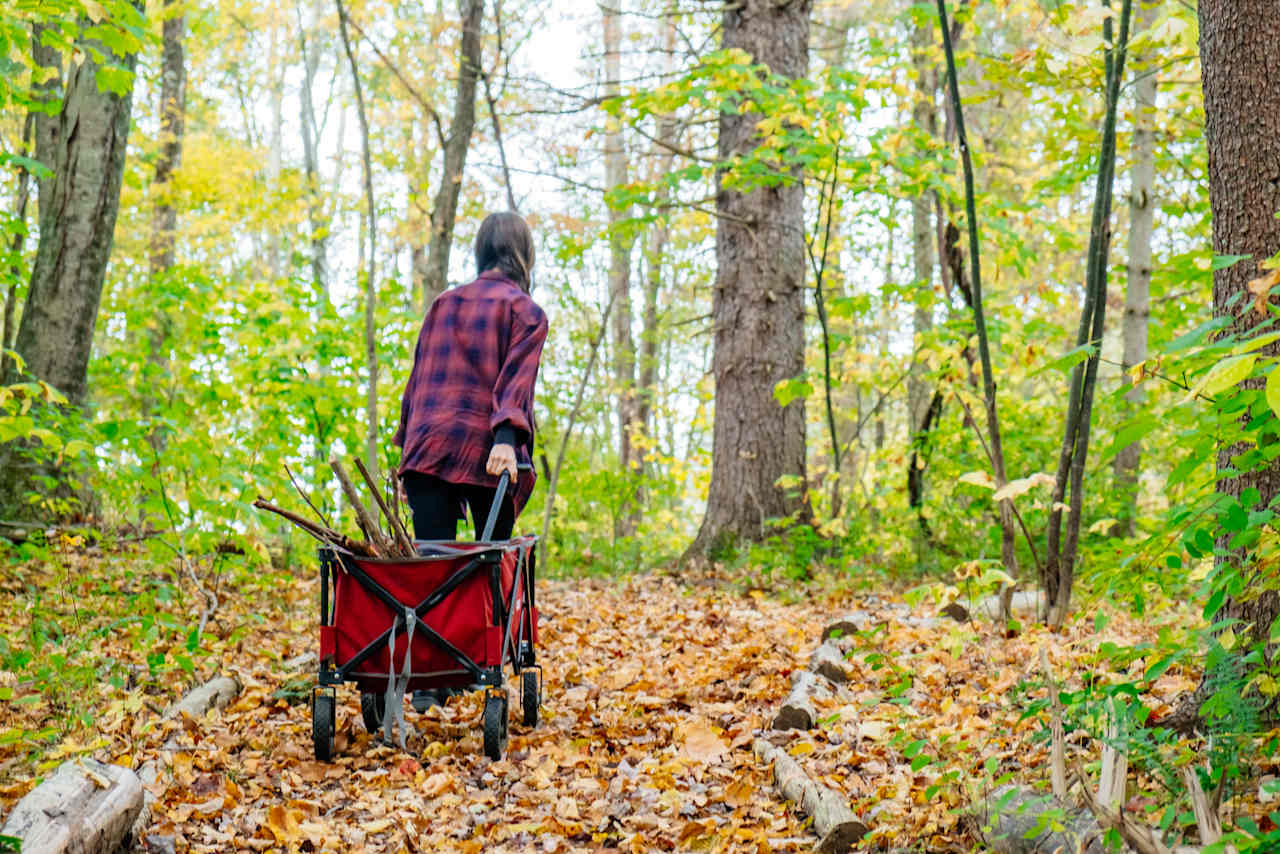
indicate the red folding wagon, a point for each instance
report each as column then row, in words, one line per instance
column 454, row 617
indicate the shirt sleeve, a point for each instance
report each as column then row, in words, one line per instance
column 513, row 392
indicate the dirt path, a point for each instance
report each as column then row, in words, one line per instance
column 652, row 695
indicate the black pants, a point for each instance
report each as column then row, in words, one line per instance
column 435, row 504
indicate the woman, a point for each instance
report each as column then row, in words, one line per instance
column 467, row 412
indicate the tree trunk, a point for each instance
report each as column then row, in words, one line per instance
column 15, row 246
column 78, row 208
column 311, row 162
column 757, row 306
column 371, row 272
column 620, row 245
column 1242, row 132
column 164, row 218
column 444, row 211
column 275, row 155
column 924, row 116
column 1137, row 293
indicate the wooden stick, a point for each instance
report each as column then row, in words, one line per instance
column 364, row 518
column 797, row 711
column 307, row 498
column 1206, row 816
column 320, row 532
column 1058, row 770
column 400, row 538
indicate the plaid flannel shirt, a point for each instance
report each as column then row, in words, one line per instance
column 474, row 371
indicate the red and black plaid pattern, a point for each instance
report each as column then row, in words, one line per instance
column 474, row 368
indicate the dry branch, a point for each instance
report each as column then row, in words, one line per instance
column 368, row 524
column 836, row 825
column 400, row 538
column 320, row 532
column 858, row 621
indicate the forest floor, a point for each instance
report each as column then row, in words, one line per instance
column 654, row 693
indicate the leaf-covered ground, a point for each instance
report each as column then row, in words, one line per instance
column 654, row 693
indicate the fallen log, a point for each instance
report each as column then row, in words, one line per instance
column 797, row 711
column 85, row 807
column 857, row 621
column 1012, row 820
column 216, row 693
column 829, row 661
column 837, row 827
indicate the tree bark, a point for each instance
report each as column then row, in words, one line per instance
column 164, row 218
column 620, row 245
column 15, row 247
column 444, row 211
column 925, row 118
column 78, row 208
column 371, row 277
column 1137, row 293
column 1242, row 134
column 84, row 807
column 757, row 306
column 311, row 161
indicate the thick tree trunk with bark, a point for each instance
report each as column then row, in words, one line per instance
column 757, row 306
column 1242, row 132
column 85, row 147
column 444, row 211
column 1137, row 293
column 620, row 245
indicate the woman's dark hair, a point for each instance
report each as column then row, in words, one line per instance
column 505, row 243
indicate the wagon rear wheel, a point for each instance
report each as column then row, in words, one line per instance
column 323, row 722
column 373, row 708
column 530, row 695
column 495, row 726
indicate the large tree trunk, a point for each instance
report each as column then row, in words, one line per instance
column 78, row 206
column 1137, row 293
column 757, row 306
column 444, row 211
column 1242, row 132
column 624, row 345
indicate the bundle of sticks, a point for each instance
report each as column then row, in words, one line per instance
column 395, row 542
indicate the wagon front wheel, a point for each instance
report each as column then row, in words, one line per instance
column 373, row 708
column 323, row 722
column 530, row 696
column 495, row 726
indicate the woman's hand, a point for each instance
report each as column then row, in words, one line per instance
column 502, row 458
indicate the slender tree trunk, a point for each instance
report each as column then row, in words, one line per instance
column 164, row 218
column 78, row 207
column 757, row 306
column 275, row 154
column 1242, row 132
column 1137, row 292
column 1061, row 545
column 371, row 272
column 924, row 116
column 444, row 211
column 620, row 244
column 311, row 160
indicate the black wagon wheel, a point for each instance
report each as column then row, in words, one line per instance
column 323, row 722
column 495, row 726
column 530, row 696
column 373, row 708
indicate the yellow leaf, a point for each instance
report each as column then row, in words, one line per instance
column 978, row 478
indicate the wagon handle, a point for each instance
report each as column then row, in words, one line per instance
column 503, row 482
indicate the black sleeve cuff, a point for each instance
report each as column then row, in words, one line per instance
column 504, row 435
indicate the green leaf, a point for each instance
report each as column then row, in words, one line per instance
column 1273, row 390
column 1222, row 262
column 1224, row 375
column 1069, row 359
